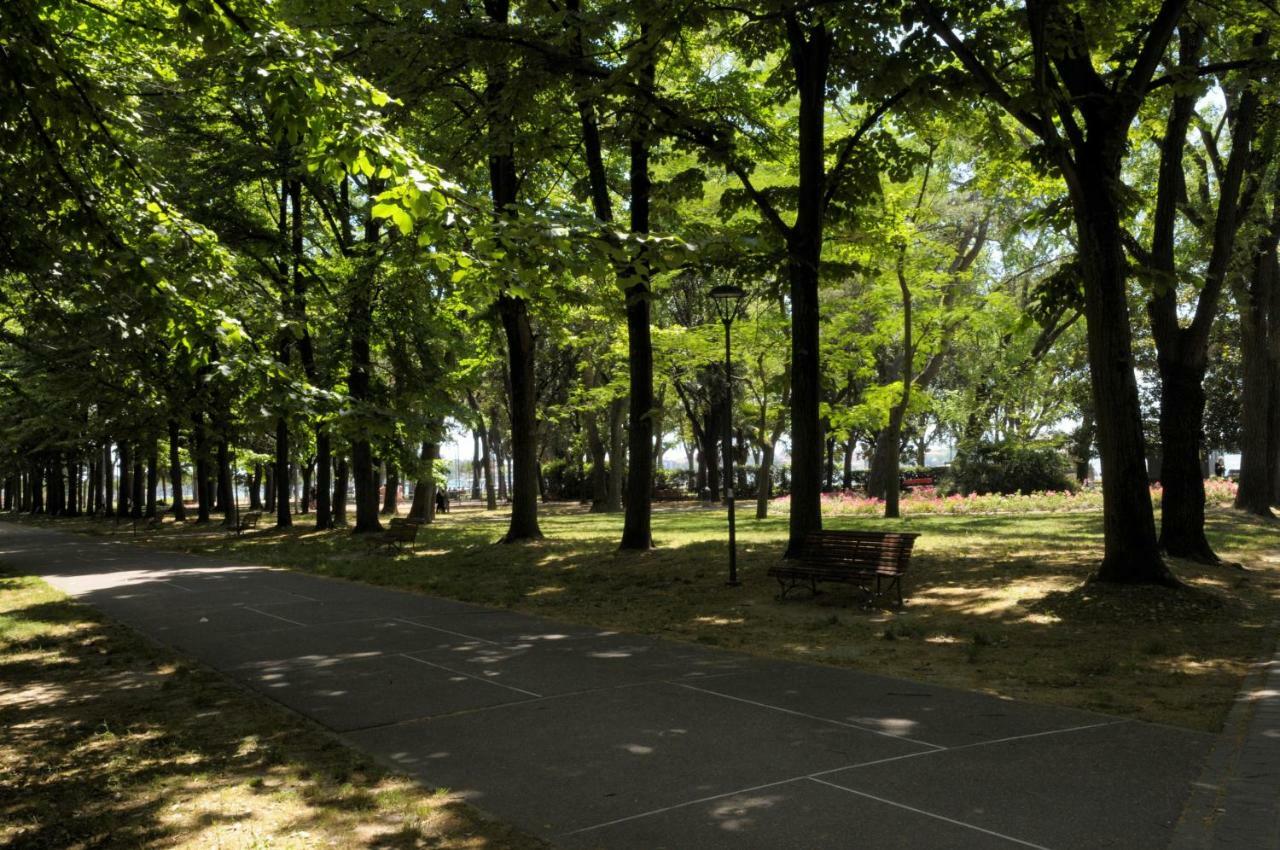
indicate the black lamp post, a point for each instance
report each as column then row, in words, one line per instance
column 727, row 299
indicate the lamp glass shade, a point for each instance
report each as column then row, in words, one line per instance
column 727, row 297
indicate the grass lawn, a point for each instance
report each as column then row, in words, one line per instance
column 995, row 603
column 108, row 741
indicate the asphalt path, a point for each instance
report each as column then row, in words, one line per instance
column 594, row 738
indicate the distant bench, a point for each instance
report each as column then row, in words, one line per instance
column 850, row 557
column 247, row 520
column 402, row 531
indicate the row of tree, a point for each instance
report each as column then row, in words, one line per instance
column 315, row 233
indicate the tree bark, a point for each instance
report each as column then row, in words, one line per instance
column 179, row 508
column 255, row 488
column 617, row 455
column 308, row 470
column 340, row 491
column 599, row 478
column 358, row 383
column 390, row 504
column 324, row 480
column 123, row 507
column 1257, row 328
column 138, row 483
column 1183, row 352
column 284, row 514
column 424, row 492
column 108, row 483
column 153, row 478
column 1131, row 549
column 524, row 420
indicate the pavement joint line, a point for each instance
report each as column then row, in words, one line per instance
column 470, row 676
column 933, row 815
column 812, row 716
column 277, row 589
column 427, row 718
column 445, row 631
column 144, row 627
column 971, row 746
column 683, row 805
column 272, row 616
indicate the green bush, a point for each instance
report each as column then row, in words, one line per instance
column 1009, row 468
column 563, row 481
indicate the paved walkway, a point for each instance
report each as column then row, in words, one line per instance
column 600, row 739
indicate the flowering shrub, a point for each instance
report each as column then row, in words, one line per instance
column 925, row 501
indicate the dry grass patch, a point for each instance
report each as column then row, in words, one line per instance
column 107, row 741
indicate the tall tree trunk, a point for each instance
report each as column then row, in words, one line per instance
column 424, row 491
column 475, row 465
column 390, row 502
column 308, row 470
column 269, row 476
column 153, row 477
column 179, row 509
column 1131, row 549
column 764, row 481
column 810, row 60
column 138, row 481
column 324, row 480
column 1182, row 400
column 108, row 483
column 499, row 461
column 846, row 478
column 358, row 383
column 1183, row 352
column 225, row 483
column 255, row 488
column 37, row 488
column 340, row 491
column 1257, row 328
column 284, row 516
column 126, row 488
column 617, row 455
column 524, row 420
column 512, row 309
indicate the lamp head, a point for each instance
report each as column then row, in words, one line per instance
column 726, row 297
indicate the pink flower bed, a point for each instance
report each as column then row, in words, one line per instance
column 924, row 501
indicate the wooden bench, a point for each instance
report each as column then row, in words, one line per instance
column 247, row 520
column 852, row 557
column 402, row 531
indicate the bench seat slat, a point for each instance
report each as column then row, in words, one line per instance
column 849, row 556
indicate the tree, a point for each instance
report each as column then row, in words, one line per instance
column 1080, row 118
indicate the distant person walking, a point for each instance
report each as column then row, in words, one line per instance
column 1219, row 468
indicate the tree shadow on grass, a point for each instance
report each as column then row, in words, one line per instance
column 109, row 741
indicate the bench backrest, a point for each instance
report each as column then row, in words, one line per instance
column 883, row 552
column 250, row 518
column 404, row 529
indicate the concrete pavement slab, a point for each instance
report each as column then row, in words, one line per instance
column 584, row 663
column 803, row 814
column 373, row 691
column 505, row 626
column 565, row 763
column 946, row 716
column 1119, row 785
column 304, row 645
